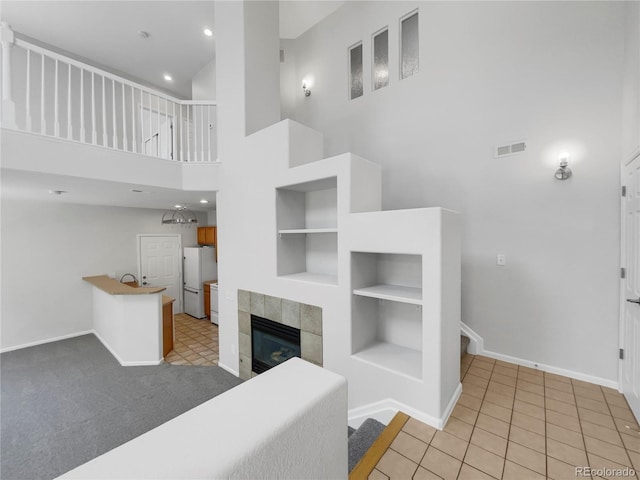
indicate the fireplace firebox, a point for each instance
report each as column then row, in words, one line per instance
column 272, row 343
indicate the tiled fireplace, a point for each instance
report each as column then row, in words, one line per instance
column 305, row 318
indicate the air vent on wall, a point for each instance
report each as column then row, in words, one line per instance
column 510, row 149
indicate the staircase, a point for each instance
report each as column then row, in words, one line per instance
column 360, row 440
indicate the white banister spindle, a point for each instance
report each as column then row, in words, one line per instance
column 174, row 153
column 202, row 131
column 69, row 126
column 143, row 142
column 56, row 118
column 158, row 154
column 82, row 129
column 208, row 130
column 43, row 128
column 94, row 132
column 188, row 133
column 113, row 123
column 28, row 86
column 104, row 114
column 8, row 105
column 166, row 127
column 133, row 120
column 125, row 144
column 181, row 135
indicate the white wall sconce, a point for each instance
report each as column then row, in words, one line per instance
column 564, row 172
column 305, row 89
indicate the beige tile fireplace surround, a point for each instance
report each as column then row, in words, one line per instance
column 306, row 318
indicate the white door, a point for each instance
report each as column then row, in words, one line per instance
column 160, row 264
column 630, row 328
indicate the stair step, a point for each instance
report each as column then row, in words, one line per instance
column 361, row 440
column 464, row 343
column 351, row 430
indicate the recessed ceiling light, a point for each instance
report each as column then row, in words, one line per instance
column 167, row 77
column 136, row 191
column 208, row 32
column 57, row 192
column 177, row 206
column 143, row 34
column 204, row 201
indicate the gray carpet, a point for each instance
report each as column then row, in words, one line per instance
column 361, row 440
column 66, row 402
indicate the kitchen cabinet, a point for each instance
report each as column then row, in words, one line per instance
column 167, row 325
column 207, row 236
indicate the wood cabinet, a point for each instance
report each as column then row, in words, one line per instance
column 207, row 236
column 167, row 325
column 207, row 300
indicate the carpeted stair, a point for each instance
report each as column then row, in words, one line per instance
column 360, row 440
column 464, row 343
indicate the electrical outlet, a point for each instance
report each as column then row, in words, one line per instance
column 501, row 260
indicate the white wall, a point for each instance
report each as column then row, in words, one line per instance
column 491, row 72
column 631, row 86
column 203, row 84
column 46, row 250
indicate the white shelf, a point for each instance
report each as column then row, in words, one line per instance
column 312, row 277
column 395, row 293
column 395, row 358
column 308, row 230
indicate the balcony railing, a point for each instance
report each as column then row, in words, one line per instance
column 50, row 94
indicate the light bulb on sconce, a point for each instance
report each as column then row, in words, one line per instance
column 564, row 172
column 305, row 89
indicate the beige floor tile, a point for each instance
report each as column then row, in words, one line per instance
column 180, row 362
column 377, row 475
column 441, row 464
column 588, row 393
column 531, row 378
column 483, row 358
column 603, row 420
column 465, row 414
column 565, row 435
column 625, row 426
column 504, row 379
column 509, row 372
column 527, row 458
column 473, row 390
column 595, row 405
column 564, row 421
column 409, row 446
column 471, row 379
column 470, row 401
column 558, row 470
column 502, row 363
column 450, row 444
column 600, row 463
column 513, row 471
column 607, row 450
column 467, row 472
column 528, row 439
column 424, row 474
column 529, row 397
column 499, row 399
column 481, row 364
column 395, row 466
column 420, row 430
column 635, row 459
column 556, row 385
column 560, row 396
column 566, row 453
column 561, row 407
column 557, row 378
column 623, row 413
column 493, row 410
column 529, row 409
column 459, row 428
column 602, row 433
column 631, row 442
column 479, row 372
column 501, row 389
column 493, row 425
column 528, row 423
column 484, row 461
column 616, row 400
column 489, row 441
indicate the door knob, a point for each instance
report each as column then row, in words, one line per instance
column 631, row 300
column 144, row 283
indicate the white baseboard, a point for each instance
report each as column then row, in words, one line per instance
column 47, row 340
column 122, row 362
column 476, row 345
column 450, row 406
column 229, row 369
column 551, row 369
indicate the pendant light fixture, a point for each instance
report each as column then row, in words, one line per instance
column 179, row 216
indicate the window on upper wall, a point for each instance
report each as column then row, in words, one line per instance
column 381, row 59
column 356, row 88
column 409, row 55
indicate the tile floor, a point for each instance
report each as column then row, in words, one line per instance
column 195, row 342
column 517, row 423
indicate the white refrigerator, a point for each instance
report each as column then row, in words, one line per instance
column 199, row 266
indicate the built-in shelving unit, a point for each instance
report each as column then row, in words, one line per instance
column 387, row 311
column 307, row 227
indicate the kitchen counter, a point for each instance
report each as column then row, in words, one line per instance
column 114, row 287
column 211, row 282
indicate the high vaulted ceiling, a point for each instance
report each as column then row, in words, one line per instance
column 107, row 33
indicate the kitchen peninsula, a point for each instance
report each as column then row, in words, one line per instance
column 128, row 320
